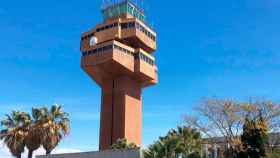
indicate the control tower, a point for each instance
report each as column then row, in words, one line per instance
column 117, row 55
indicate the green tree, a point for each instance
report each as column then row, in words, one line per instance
column 254, row 137
column 189, row 141
column 123, row 144
column 225, row 118
column 45, row 128
column 183, row 142
column 15, row 129
column 34, row 138
column 55, row 125
column 156, row 150
column 171, row 144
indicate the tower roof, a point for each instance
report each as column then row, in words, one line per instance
column 110, row 10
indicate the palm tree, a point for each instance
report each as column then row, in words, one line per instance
column 47, row 128
column 15, row 131
column 55, row 126
column 34, row 139
column 189, row 141
column 165, row 147
column 171, row 143
column 181, row 143
column 156, row 150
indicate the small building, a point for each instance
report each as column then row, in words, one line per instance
column 216, row 147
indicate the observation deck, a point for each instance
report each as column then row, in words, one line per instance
column 121, row 8
column 132, row 32
column 111, row 59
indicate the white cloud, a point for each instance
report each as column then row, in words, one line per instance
column 4, row 152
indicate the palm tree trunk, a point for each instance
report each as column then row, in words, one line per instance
column 48, row 152
column 30, row 153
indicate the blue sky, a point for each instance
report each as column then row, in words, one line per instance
column 205, row 48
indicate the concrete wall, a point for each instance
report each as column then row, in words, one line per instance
column 103, row 154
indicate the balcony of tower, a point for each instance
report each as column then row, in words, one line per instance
column 145, row 68
column 111, row 59
column 107, row 60
column 130, row 31
column 138, row 35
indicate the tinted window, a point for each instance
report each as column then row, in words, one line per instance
column 131, row 25
column 124, row 25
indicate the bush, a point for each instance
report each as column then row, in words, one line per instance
column 194, row 155
column 273, row 155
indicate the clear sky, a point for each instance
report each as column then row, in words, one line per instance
column 205, row 48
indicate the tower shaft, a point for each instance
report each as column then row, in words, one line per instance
column 120, row 111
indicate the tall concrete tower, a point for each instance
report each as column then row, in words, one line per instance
column 117, row 55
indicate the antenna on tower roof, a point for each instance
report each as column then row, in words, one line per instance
column 142, row 4
column 119, row 9
column 104, row 4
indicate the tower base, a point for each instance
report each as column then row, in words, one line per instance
column 120, row 112
column 100, row 154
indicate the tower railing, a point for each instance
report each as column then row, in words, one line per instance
column 104, row 49
column 122, row 7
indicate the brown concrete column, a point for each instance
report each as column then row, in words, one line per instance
column 106, row 116
column 120, row 111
